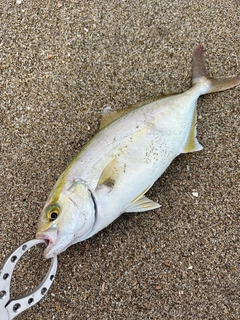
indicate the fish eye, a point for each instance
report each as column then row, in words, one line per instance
column 52, row 213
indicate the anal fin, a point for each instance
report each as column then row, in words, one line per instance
column 192, row 143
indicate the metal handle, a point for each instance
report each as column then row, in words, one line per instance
column 16, row 306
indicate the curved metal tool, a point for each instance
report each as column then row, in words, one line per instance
column 10, row 308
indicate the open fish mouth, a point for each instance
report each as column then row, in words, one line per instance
column 51, row 238
column 55, row 243
column 48, row 250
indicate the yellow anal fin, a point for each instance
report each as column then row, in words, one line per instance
column 141, row 205
column 109, row 175
column 192, row 143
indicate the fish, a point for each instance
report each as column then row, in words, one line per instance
column 115, row 169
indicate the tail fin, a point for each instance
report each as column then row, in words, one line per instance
column 199, row 72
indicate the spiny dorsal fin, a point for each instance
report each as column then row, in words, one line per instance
column 141, row 205
column 110, row 115
column 109, row 175
column 192, row 143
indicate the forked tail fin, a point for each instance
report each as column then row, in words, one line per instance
column 205, row 85
column 199, row 72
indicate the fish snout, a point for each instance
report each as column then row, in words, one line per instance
column 50, row 236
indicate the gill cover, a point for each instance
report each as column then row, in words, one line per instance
column 82, row 200
column 67, row 217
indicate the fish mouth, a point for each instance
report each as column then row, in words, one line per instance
column 55, row 243
column 50, row 236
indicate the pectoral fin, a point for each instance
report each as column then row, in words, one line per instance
column 109, row 175
column 192, row 143
column 141, row 205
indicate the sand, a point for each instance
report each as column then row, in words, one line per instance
column 62, row 63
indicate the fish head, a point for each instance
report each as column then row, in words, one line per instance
column 66, row 218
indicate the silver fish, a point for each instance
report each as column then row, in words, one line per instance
column 115, row 169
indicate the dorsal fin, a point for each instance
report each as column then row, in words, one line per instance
column 110, row 115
